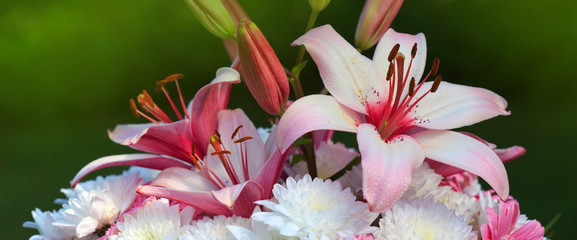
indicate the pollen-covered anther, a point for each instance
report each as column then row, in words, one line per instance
column 391, row 71
column 221, row 152
column 436, row 83
column 412, row 87
column 134, row 109
column 235, row 131
column 414, row 50
column 174, row 77
column 435, row 66
column 394, row 52
column 243, row 139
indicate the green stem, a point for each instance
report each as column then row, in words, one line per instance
column 297, row 83
column 355, row 161
column 311, row 158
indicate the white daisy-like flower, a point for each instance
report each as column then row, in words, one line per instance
column 43, row 222
column 93, row 206
column 422, row 219
column 156, row 219
column 425, row 183
column 316, row 209
column 214, row 229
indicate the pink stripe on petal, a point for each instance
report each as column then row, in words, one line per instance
column 387, row 166
column 203, row 201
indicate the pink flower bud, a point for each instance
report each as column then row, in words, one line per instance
column 375, row 19
column 261, row 70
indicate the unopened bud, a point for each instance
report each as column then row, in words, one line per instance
column 375, row 19
column 213, row 15
column 261, row 70
column 319, row 5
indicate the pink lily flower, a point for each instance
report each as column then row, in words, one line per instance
column 172, row 144
column 238, row 171
column 502, row 225
column 400, row 118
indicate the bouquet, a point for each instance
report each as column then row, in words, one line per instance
column 207, row 172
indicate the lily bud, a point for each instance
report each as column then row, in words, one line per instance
column 213, row 15
column 237, row 13
column 375, row 19
column 319, row 5
column 261, row 70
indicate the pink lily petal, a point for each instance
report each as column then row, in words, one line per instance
column 270, row 173
column 466, row 153
column 240, row 198
column 350, row 77
column 314, row 112
column 454, row 106
column 208, row 101
column 125, row 132
column 183, row 179
column 141, row 160
column 509, row 154
column 203, row 201
column 387, row 166
column 322, row 136
column 171, row 139
column 406, row 42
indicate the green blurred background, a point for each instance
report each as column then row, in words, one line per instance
column 68, row 68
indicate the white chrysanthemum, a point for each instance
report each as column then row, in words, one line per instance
column 95, row 205
column 316, row 209
column 474, row 188
column 155, row 220
column 43, row 222
column 425, row 183
column 422, row 218
column 213, row 229
column 257, row 231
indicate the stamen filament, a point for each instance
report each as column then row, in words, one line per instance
column 172, row 104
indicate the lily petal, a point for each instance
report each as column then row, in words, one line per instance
column 454, row 106
column 406, row 42
column 270, row 173
column 251, row 150
column 387, row 166
column 141, row 160
column 240, row 198
column 314, row 112
column 125, row 132
column 183, row 179
column 511, row 153
column 203, row 201
column 171, row 139
column 466, row 153
column 350, row 77
column 207, row 102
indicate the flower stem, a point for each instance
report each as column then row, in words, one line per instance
column 311, row 158
column 297, row 82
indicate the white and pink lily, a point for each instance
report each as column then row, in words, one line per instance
column 177, row 147
column 171, row 144
column 238, row 170
column 400, row 118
